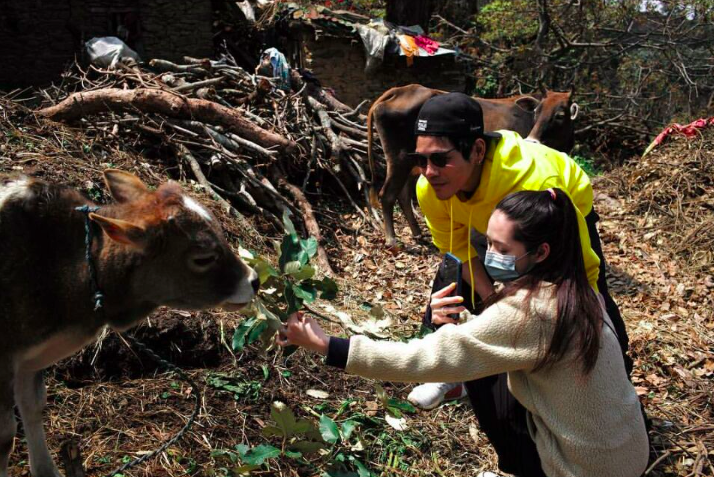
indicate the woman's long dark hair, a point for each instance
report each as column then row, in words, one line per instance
column 544, row 217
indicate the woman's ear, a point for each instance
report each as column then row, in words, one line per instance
column 542, row 252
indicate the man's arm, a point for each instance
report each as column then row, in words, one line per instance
column 483, row 287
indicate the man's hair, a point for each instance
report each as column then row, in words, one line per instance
column 465, row 144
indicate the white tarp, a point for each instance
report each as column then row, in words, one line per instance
column 107, row 51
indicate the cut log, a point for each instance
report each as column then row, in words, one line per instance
column 162, row 102
column 311, row 225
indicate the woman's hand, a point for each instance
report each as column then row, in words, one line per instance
column 442, row 306
column 303, row 331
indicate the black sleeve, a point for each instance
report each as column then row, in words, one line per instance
column 337, row 351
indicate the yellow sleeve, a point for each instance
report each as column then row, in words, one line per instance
column 438, row 218
column 584, row 202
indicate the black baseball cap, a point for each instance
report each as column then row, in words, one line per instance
column 452, row 114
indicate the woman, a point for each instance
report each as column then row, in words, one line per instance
column 545, row 328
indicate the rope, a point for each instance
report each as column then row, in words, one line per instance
column 197, row 407
column 98, row 298
column 97, row 294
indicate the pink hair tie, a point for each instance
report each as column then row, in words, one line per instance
column 552, row 193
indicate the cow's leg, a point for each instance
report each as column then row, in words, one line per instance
column 8, row 426
column 31, row 397
column 394, row 183
column 405, row 202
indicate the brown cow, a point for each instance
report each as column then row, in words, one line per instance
column 548, row 120
column 152, row 248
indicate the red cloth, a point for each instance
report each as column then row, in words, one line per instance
column 426, row 44
column 689, row 130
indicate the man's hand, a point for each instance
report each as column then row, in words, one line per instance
column 442, row 306
column 304, row 332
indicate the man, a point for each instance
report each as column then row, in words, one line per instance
column 466, row 172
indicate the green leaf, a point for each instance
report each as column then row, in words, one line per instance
column 266, row 372
column 259, row 454
column 264, row 270
column 244, row 469
column 292, row 268
column 329, row 430
column 272, row 431
column 242, row 449
column 256, row 331
column 240, row 334
column 405, row 406
column 362, row 470
column 288, row 224
column 347, row 428
column 307, row 447
column 294, row 302
column 303, row 257
column 309, row 246
column 306, row 292
column 381, row 395
column 328, row 287
column 289, row 251
column 303, row 426
column 293, row 454
column 283, row 417
column 305, row 273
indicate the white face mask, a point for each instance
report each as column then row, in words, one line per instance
column 502, row 268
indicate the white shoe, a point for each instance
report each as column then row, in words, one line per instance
column 488, row 474
column 430, row 395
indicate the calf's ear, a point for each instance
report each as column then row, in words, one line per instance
column 527, row 103
column 123, row 186
column 121, row 231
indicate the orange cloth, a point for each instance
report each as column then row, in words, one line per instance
column 409, row 47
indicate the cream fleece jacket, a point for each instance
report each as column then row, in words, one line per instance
column 583, row 425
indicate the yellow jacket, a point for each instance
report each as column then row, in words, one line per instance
column 512, row 165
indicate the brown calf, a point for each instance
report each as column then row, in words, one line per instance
column 151, row 248
column 394, row 115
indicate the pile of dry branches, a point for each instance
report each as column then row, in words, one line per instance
column 252, row 146
column 672, row 191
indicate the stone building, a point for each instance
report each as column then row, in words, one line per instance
column 337, row 58
column 38, row 38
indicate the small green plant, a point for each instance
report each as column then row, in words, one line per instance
column 241, row 389
column 284, row 290
column 587, row 164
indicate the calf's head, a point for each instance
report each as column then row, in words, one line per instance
column 554, row 120
column 173, row 246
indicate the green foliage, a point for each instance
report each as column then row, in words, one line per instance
column 511, row 21
column 587, row 164
column 241, row 389
column 284, row 290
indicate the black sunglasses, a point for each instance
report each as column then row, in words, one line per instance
column 439, row 159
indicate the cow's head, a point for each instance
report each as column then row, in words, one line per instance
column 554, row 120
column 173, row 246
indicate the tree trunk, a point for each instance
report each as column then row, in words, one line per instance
column 410, row 12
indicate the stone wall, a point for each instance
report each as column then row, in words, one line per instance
column 39, row 38
column 339, row 63
column 173, row 29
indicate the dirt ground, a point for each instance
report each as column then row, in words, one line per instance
column 656, row 226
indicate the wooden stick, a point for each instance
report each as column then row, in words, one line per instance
column 169, row 104
column 311, row 224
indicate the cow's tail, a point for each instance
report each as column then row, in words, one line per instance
column 373, row 195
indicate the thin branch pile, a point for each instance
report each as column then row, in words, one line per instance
column 253, row 147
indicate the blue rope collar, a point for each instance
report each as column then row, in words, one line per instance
column 97, row 295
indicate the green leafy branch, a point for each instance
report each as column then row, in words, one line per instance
column 284, row 290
